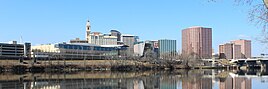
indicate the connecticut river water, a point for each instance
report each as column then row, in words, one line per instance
column 178, row 79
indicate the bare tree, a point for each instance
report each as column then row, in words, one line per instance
column 191, row 60
column 258, row 15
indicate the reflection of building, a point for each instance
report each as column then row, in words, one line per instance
column 197, row 40
column 235, row 83
column 167, row 48
column 245, row 47
column 14, row 50
column 78, row 51
column 152, row 82
column 202, row 83
column 230, row 51
column 138, row 84
column 168, row 82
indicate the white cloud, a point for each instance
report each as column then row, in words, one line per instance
column 242, row 36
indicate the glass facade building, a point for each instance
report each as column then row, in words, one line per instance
column 167, row 48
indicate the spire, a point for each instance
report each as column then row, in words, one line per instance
column 88, row 23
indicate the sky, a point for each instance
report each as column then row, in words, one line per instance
column 54, row 21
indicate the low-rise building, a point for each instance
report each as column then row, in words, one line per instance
column 147, row 48
column 78, row 51
column 77, row 40
column 14, row 50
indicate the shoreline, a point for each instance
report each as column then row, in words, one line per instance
column 90, row 65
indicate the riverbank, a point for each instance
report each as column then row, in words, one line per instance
column 74, row 65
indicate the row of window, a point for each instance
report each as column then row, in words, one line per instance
column 78, row 47
column 81, row 47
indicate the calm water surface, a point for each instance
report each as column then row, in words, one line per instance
column 179, row 79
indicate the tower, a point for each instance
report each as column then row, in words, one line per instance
column 197, row 41
column 88, row 37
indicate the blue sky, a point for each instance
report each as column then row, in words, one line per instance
column 53, row 21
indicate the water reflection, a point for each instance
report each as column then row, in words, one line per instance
column 180, row 79
column 235, row 83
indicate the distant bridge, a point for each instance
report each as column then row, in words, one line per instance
column 251, row 62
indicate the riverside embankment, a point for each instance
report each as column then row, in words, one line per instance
column 74, row 65
column 70, row 65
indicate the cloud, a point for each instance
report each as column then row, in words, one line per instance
column 242, row 36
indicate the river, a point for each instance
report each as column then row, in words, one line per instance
column 178, row 79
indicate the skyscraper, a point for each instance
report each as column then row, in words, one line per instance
column 167, row 48
column 197, row 40
column 245, row 47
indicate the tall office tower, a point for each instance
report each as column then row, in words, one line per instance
column 117, row 34
column 167, row 48
column 230, row 51
column 245, row 47
column 197, row 40
column 88, row 36
column 130, row 40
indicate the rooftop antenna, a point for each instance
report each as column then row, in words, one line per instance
column 21, row 40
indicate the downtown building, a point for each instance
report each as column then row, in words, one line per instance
column 146, row 48
column 77, row 51
column 245, row 47
column 102, row 39
column 129, row 40
column 198, row 41
column 237, row 49
column 99, row 38
column 113, row 38
column 229, row 51
column 14, row 50
column 167, row 48
column 96, row 46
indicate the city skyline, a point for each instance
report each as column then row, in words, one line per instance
column 58, row 22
